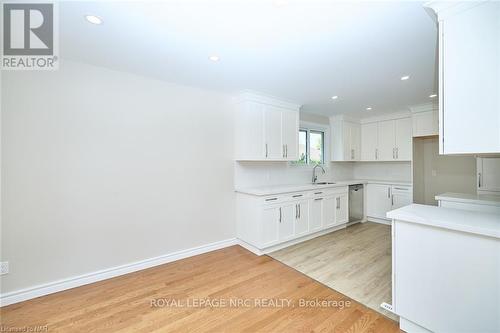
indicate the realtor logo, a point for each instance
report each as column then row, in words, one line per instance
column 29, row 36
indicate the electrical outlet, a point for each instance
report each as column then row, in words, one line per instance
column 4, row 267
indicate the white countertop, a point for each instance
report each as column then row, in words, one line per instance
column 486, row 224
column 480, row 199
column 280, row 189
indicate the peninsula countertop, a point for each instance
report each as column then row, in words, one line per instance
column 480, row 199
column 480, row 223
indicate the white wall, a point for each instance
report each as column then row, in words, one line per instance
column 103, row 168
column 435, row 174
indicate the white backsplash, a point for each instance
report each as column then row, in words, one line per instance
column 255, row 174
column 400, row 171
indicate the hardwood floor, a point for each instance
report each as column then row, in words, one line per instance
column 355, row 261
column 124, row 304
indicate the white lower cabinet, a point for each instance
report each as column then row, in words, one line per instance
column 269, row 232
column 381, row 198
column 316, row 220
column 263, row 222
column 286, row 221
column 302, row 218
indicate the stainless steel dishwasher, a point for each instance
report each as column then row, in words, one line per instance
column 356, row 211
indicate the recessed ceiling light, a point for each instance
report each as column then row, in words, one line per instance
column 214, row 58
column 368, row 108
column 404, row 78
column 93, row 19
column 335, row 97
column 432, row 96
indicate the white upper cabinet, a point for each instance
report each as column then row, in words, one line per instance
column 386, row 140
column 425, row 120
column 403, row 137
column 290, row 134
column 369, row 142
column 345, row 140
column 469, row 76
column 266, row 129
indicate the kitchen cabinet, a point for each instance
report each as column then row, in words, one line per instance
column 266, row 129
column 345, row 140
column 302, row 218
column 329, row 206
column 425, row 120
column 387, row 140
column 270, row 216
column 341, row 208
column 469, row 79
column 369, row 142
column 488, row 175
column 290, row 134
column 382, row 198
column 264, row 222
column 316, row 216
column 286, row 221
column 403, row 139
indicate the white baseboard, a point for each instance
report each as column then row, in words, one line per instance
column 77, row 281
column 378, row 220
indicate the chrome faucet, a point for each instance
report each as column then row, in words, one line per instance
column 315, row 178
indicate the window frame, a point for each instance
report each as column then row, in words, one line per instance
column 325, row 129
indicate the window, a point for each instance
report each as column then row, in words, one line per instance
column 311, row 146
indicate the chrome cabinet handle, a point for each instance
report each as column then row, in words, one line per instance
column 271, row 199
column 280, row 214
column 266, row 150
column 388, row 192
column 338, row 203
column 397, row 153
column 401, row 188
column 286, row 150
column 393, row 153
column 392, row 201
column 296, row 211
column 318, row 192
column 296, row 196
column 479, row 179
column 299, row 211
column 317, row 199
column 376, row 153
column 283, row 150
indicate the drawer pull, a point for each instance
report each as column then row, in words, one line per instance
column 317, row 199
column 318, row 192
column 401, row 188
column 297, row 196
column 271, row 199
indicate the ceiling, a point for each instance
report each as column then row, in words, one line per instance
column 305, row 51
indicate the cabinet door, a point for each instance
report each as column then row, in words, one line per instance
column 404, row 139
column 488, row 174
column 341, row 208
column 302, row 220
column 469, row 80
column 369, row 141
column 386, row 141
column 290, row 131
column 425, row 123
column 346, row 138
column 378, row 199
column 329, row 211
column 316, row 214
column 270, row 218
column 356, row 142
column 286, row 221
column 273, row 143
column 401, row 196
